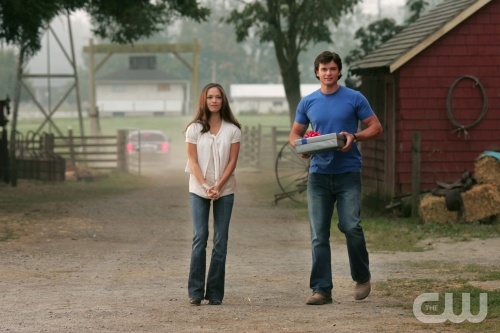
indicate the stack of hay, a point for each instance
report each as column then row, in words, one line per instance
column 487, row 169
column 82, row 173
column 482, row 201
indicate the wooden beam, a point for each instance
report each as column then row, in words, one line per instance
column 143, row 48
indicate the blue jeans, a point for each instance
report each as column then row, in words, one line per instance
column 200, row 210
column 323, row 192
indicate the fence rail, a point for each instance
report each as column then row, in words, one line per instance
column 260, row 144
column 99, row 152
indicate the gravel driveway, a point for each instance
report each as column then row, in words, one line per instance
column 121, row 264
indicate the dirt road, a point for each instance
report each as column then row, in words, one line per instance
column 121, row 265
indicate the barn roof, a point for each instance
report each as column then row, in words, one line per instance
column 419, row 35
column 238, row 91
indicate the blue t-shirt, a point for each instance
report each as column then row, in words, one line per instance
column 334, row 113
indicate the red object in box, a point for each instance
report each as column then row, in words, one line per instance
column 319, row 144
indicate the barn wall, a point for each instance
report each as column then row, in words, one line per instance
column 472, row 48
column 375, row 193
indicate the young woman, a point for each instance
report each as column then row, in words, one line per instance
column 213, row 144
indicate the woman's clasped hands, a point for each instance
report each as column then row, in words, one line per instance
column 213, row 193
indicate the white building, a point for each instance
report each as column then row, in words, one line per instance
column 263, row 98
column 142, row 89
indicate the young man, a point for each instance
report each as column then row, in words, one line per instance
column 335, row 177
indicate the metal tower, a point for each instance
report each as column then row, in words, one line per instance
column 49, row 111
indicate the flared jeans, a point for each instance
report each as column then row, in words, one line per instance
column 200, row 211
column 323, row 192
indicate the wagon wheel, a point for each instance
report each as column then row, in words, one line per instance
column 291, row 173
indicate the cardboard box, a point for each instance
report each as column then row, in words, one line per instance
column 319, row 144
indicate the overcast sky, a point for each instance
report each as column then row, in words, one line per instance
column 371, row 6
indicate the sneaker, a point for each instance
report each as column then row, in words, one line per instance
column 211, row 302
column 362, row 290
column 318, row 299
column 194, row 301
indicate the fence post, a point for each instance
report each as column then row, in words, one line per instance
column 415, row 180
column 258, row 145
column 244, row 143
column 274, row 143
column 71, row 146
column 252, row 147
column 122, row 165
column 47, row 142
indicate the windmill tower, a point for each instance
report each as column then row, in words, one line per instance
column 45, row 102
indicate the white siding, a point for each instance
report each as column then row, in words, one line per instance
column 263, row 98
column 110, row 106
column 146, row 97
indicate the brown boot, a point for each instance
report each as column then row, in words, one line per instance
column 318, row 299
column 362, row 290
column 195, row 301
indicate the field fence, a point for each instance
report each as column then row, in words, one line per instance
column 259, row 148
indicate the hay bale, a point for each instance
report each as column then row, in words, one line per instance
column 480, row 202
column 89, row 174
column 81, row 173
column 487, row 171
column 433, row 209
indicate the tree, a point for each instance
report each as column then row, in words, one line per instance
column 416, row 8
column 291, row 25
column 122, row 21
column 8, row 67
column 343, row 41
column 370, row 37
column 223, row 60
column 378, row 32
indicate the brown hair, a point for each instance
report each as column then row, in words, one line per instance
column 203, row 114
column 326, row 57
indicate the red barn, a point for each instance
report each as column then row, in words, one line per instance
column 439, row 77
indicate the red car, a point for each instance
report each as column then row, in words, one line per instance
column 147, row 147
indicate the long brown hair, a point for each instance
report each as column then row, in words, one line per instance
column 203, row 114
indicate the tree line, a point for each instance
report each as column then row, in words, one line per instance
column 251, row 42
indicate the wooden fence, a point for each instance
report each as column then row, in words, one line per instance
column 104, row 152
column 47, row 157
column 279, row 137
column 260, row 145
column 259, row 148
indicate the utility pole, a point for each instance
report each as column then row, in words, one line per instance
column 95, row 129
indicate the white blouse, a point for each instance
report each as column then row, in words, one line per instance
column 213, row 151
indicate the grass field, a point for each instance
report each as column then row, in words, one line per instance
column 173, row 125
